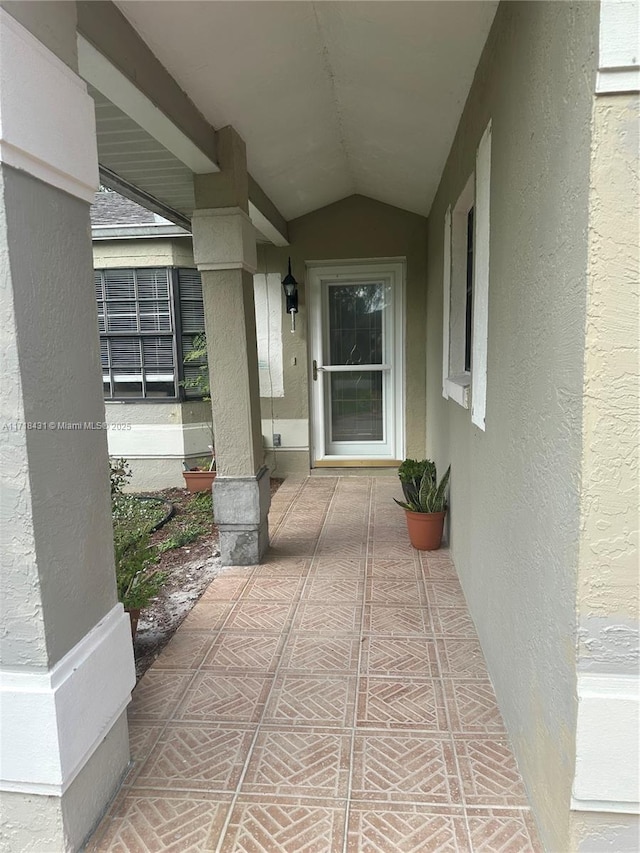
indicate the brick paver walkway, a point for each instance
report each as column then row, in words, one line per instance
column 333, row 699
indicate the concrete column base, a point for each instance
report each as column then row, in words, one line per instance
column 240, row 508
column 595, row 832
column 33, row 823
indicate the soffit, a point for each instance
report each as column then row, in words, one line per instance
column 332, row 98
column 133, row 154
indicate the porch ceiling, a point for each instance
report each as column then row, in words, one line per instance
column 332, row 98
column 133, row 154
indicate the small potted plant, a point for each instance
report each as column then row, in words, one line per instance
column 200, row 477
column 138, row 582
column 425, row 502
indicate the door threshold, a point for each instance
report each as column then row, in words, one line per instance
column 354, row 472
column 357, row 463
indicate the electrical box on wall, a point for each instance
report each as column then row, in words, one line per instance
column 277, row 439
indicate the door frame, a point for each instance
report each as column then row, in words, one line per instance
column 392, row 269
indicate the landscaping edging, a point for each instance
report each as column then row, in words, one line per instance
column 168, row 514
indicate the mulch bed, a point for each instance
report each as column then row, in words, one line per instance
column 190, row 568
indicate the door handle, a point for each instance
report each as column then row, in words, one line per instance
column 316, row 368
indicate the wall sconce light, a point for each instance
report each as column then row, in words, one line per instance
column 290, row 286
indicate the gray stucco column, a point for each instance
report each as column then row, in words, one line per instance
column 224, row 248
column 66, row 661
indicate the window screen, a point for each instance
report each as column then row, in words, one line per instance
column 192, row 326
column 136, row 320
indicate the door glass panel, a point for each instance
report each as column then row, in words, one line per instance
column 356, row 406
column 356, row 323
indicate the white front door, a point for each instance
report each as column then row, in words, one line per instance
column 356, row 314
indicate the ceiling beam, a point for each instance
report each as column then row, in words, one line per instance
column 266, row 216
column 118, row 63
column 114, row 59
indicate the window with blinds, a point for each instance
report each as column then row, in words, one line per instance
column 141, row 343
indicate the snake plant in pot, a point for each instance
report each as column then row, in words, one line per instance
column 425, row 502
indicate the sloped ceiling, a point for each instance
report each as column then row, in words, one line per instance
column 332, row 98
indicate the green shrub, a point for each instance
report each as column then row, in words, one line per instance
column 198, row 355
column 200, row 383
column 138, row 582
column 119, row 474
column 182, row 537
column 132, row 514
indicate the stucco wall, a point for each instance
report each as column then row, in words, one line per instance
column 24, row 639
column 355, row 228
column 608, row 574
column 514, row 520
column 150, row 252
column 35, row 824
column 156, row 438
column 61, row 504
column 66, row 647
column 608, row 747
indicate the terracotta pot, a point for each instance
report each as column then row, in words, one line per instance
column 425, row 529
column 134, row 615
column 199, row 481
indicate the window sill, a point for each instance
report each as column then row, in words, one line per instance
column 459, row 388
column 120, row 401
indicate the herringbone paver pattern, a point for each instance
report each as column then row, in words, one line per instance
column 333, row 700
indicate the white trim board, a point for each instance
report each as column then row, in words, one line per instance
column 53, row 721
column 481, row 240
column 446, row 302
column 619, row 53
column 607, row 774
column 265, row 226
column 114, row 85
column 456, row 381
column 158, row 440
column 267, row 294
column 458, row 389
column 459, row 384
column 47, row 118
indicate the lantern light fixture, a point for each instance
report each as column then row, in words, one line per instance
column 290, row 287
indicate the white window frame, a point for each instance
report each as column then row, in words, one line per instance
column 480, row 328
column 467, row 388
column 456, row 380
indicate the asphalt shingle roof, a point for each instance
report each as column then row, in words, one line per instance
column 112, row 209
